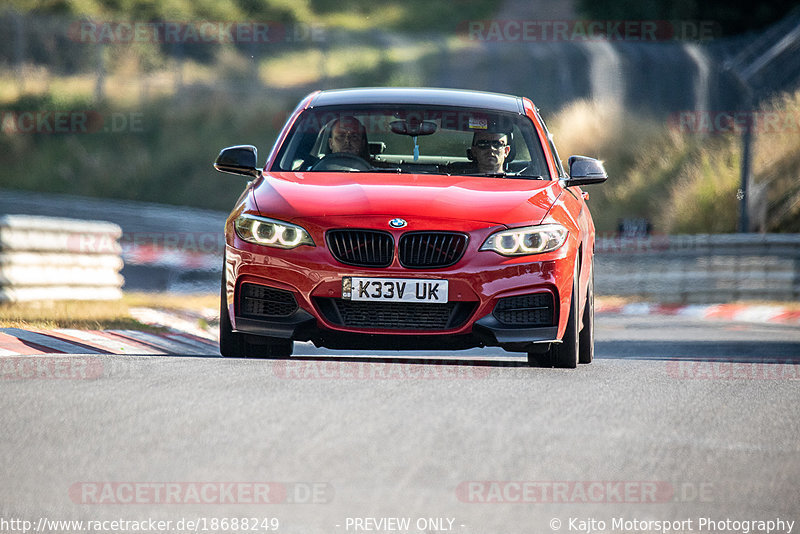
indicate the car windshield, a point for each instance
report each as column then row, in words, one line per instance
column 413, row 139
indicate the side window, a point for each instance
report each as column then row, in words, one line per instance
column 559, row 165
column 528, row 148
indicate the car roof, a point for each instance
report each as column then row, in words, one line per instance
column 418, row 95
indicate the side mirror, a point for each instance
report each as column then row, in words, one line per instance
column 584, row 171
column 240, row 159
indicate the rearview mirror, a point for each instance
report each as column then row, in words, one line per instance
column 240, row 159
column 413, row 127
column 584, row 171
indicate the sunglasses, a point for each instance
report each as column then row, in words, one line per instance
column 494, row 144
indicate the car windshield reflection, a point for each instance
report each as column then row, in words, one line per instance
column 415, row 140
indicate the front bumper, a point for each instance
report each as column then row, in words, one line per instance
column 477, row 283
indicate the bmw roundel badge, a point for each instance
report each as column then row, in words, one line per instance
column 398, row 223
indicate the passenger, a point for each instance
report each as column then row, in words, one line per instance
column 489, row 151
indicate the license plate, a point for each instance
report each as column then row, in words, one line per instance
column 394, row 290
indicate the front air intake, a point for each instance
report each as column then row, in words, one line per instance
column 361, row 248
column 431, row 250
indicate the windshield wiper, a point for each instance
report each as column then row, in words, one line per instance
column 400, row 170
column 388, row 170
column 486, row 174
column 504, row 175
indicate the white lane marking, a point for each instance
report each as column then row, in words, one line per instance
column 113, row 344
column 48, row 342
column 207, row 348
column 171, row 346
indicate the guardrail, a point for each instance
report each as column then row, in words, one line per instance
column 48, row 258
column 700, row 269
column 44, row 258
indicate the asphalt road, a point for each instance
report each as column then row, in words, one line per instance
column 675, row 420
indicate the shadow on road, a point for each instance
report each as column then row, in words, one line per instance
column 733, row 351
column 412, row 360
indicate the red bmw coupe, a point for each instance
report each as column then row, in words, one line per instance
column 410, row 218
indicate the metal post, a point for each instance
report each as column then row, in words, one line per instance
column 749, row 99
column 747, row 142
column 99, row 85
column 19, row 50
column 179, row 59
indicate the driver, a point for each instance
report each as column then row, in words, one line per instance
column 349, row 136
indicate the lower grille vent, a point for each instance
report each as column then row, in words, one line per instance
column 262, row 301
column 527, row 310
column 395, row 315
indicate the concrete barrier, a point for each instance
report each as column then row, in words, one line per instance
column 700, row 269
column 49, row 258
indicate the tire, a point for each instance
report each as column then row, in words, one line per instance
column 539, row 359
column 586, row 343
column 565, row 354
column 231, row 344
column 235, row 345
column 269, row 348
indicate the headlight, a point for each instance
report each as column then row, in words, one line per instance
column 271, row 233
column 528, row 240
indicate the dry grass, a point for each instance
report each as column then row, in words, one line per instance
column 337, row 62
column 594, row 128
column 100, row 315
column 685, row 182
column 703, row 197
column 172, row 301
column 604, row 130
column 776, row 166
column 118, row 89
column 779, row 137
column 68, row 314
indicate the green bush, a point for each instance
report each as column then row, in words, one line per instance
column 162, row 152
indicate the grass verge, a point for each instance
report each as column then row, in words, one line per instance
column 84, row 315
column 100, row 315
column 682, row 181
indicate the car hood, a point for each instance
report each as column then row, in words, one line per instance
column 489, row 200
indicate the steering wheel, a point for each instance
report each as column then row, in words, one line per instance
column 342, row 161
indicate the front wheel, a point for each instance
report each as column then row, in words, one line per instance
column 237, row 345
column 587, row 332
column 231, row 344
column 564, row 354
column 270, row 348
